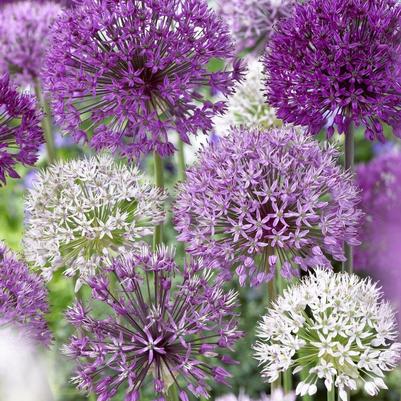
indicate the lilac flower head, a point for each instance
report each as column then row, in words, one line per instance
column 124, row 74
column 23, row 299
column 24, row 36
column 336, row 62
column 379, row 253
column 160, row 329
column 252, row 21
column 20, row 134
column 263, row 200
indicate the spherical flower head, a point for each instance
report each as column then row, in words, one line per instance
column 81, row 213
column 379, row 254
column 247, row 106
column 337, row 62
column 20, row 134
column 124, row 74
column 24, row 37
column 156, row 328
column 263, row 200
column 252, row 21
column 333, row 327
column 23, row 299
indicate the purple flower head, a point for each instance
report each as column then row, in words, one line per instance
column 252, row 21
column 20, row 134
column 158, row 328
column 123, row 74
column 380, row 251
column 23, row 299
column 24, row 35
column 337, row 62
column 263, row 200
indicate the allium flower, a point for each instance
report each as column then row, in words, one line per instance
column 333, row 327
column 267, row 199
column 252, row 21
column 247, row 106
column 23, row 299
column 20, row 134
column 335, row 62
column 83, row 212
column 24, row 36
column 277, row 395
column 124, row 74
column 380, row 181
column 156, row 328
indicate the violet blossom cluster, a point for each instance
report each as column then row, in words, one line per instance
column 23, row 299
column 24, row 38
column 124, row 74
column 160, row 328
column 379, row 254
column 252, row 21
column 263, row 200
column 20, row 133
column 337, row 62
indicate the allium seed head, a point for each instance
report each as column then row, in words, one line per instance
column 123, row 74
column 24, row 38
column 252, row 21
column 23, row 299
column 262, row 200
column 155, row 328
column 83, row 212
column 333, row 327
column 247, row 106
column 337, row 62
column 20, row 134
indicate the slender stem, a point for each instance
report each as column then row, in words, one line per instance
column 287, row 381
column 348, row 166
column 159, row 181
column 181, row 161
column 331, row 395
column 46, row 123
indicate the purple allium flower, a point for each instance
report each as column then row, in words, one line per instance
column 268, row 199
column 336, row 62
column 380, row 251
column 23, row 298
column 252, row 21
column 124, row 74
column 20, row 133
column 156, row 327
column 24, row 35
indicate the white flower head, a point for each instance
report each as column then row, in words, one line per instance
column 333, row 327
column 82, row 213
column 247, row 106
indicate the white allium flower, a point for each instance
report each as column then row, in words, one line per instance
column 277, row 395
column 333, row 327
column 247, row 106
column 81, row 213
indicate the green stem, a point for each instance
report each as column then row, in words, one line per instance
column 348, row 166
column 181, row 161
column 159, row 181
column 287, row 381
column 46, row 123
column 331, row 395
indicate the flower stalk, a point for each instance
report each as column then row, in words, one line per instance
column 159, row 182
column 349, row 152
column 46, row 122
